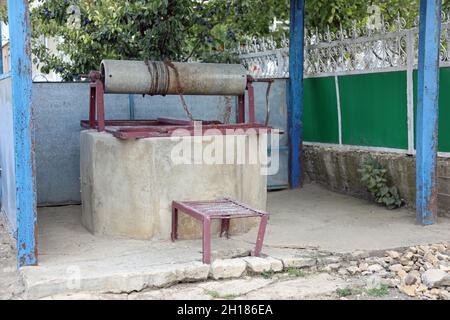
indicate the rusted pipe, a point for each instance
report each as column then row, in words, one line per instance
column 160, row 78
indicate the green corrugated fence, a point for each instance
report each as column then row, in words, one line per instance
column 373, row 109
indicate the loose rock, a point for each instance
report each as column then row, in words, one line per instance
column 363, row 266
column 375, row 268
column 396, row 267
column 435, row 278
column 444, row 295
column 353, row 269
column 373, row 282
column 408, row 290
column 393, row 254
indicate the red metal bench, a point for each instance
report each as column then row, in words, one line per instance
column 224, row 209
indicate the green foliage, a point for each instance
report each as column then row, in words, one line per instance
column 108, row 29
column 216, row 295
column 382, row 290
column 145, row 29
column 225, row 23
column 322, row 14
column 3, row 13
column 267, row 274
column 373, row 176
column 295, row 272
column 344, row 292
column 178, row 29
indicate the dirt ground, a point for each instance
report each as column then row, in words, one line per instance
column 293, row 284
column 354, row 238
column 10, row 282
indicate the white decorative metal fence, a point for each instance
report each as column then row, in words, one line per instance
column 359, row 50
column 390, row 47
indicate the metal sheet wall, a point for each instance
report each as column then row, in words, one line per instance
column 7, row 178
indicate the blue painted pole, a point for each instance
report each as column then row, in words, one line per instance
column 131, row 105
column 1, row 49
column 295, row 87
column 21, row 77
column 427, row 111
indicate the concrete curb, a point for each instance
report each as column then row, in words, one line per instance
column 40, row 284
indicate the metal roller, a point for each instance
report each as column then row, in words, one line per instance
column 161, row 78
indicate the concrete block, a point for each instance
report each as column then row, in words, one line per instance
column 194, row 271
column 127, row 187
column 234, row 287
column 298, row 262
column 444, row 204
column 276, row 265
column 40, row 283
column 257, row 264
column 293, row 258
column 328, row 260
column 227, row 268
column 444, row 185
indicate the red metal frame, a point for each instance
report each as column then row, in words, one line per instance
column 162, row 127
column 241, row 109
column 251, row 102
column 139, row 129
column 224, row 209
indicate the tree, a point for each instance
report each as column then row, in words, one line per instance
column 145, row 29
column 91, row 30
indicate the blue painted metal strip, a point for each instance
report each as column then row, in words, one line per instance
column 1, row 48
column 427, row 111
column 21, row 73
column 131, row 106
column 295, row 89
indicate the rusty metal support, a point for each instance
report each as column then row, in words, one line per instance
column 241, row 109
column 222, row 209
column 162, row 127
column 251, row 102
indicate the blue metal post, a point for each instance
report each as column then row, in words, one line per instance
column 427, row 111
column 21, row 77
column 1, row 49
column 131, row 105
column 295, row 87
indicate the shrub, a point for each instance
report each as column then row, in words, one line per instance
column 373, row 176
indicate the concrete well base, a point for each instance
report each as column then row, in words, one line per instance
column 127, row 187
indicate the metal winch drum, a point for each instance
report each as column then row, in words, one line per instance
column 168, row 78
column 161, row 78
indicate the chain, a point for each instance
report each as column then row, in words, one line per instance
column 170, row 64
column 159, row 78
column 152, row 83
column 227, row 113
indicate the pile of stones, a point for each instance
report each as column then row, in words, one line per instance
column 421, row 271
